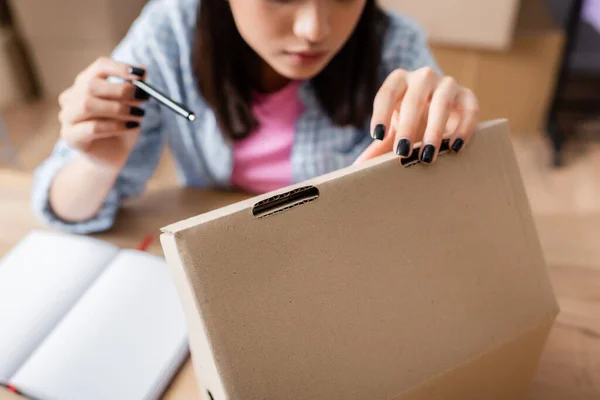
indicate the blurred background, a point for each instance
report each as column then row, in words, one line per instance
column 535, row 62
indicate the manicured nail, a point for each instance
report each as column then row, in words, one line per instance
column 137, row 71
column 403, row 147
column 428, row 153
column 140, row 94
column 458, row 144
column 379, row 132
column 132, row 125
column 136, row 111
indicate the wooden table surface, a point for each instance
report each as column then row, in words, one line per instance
column 570, row 365
column 137, row 219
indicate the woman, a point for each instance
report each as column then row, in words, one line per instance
column 284, row 90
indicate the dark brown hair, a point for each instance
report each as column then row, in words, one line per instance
column 228, row 70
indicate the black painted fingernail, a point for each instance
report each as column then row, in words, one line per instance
column 379, row 132
column 458, row 144
column 136, row 111
column 137, row 71
column 132, row 125
column 403, row 148
column 140, row 94
column 428, row 153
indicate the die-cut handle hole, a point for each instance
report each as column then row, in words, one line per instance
column 285, row 201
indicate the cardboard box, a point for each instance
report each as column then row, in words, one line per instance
column 4, row 13
column 93, row 22
column 15, row 83
column 371, row 282
column 58, row 63
column 481, row 24
column 64, row 36
column 516, row 84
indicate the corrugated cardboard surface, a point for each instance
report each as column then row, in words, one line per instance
column 394, row 280
column 516, row 84
column 485, row 376
column 482, row 24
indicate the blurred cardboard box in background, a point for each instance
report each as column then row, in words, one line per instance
column 4, row 14
column 57, row 63
column 15, row 82
column 482, row 24
column 518, row 83
column 82, row 21
column 64, row 36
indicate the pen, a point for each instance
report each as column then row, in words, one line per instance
column 178, row 108
column 145, row 244
column 13, row 389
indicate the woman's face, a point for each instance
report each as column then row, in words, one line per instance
column 296, row 38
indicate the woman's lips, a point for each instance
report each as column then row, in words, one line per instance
column 306, row 57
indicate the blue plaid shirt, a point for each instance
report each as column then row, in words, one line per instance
column 160, row 39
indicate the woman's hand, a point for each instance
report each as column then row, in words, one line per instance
column 421, row 106
column 100, row 118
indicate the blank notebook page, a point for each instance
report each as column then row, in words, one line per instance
column 40, row 279
column 124, row 340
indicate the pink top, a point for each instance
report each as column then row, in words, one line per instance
column 261, row 161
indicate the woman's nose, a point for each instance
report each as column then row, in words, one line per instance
column 312, row 22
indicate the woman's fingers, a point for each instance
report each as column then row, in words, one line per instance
column 104, row 67
column 125, row 92
column 467, row 108
column 385, row 114
column 421, row 86
column 96, row 108
column 441, row 106
column 419, row 106
column 103, row 89
column 378, row 148
column 88, row 131
column 386, row 101
column 94, row 97
column 101, row 116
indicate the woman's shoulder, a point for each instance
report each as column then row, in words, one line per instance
column 160, row 39
column 400, row 22
column 163, row 25
column 405, row 43
column 182, row 12
column 169, row 16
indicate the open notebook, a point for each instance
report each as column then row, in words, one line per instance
column 83, row 319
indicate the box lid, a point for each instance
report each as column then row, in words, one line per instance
column 463, row 23
column 92, row 22
column 367, row 282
